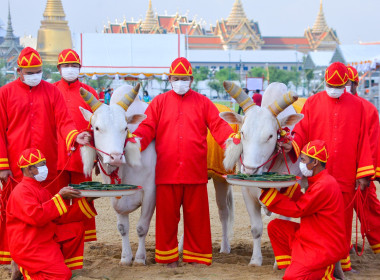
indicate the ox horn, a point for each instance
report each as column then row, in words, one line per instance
column 236, row 92
column 285, row 101
column 90, row 99
column 129, row 97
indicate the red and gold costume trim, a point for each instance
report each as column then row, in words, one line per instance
column 269, row 197
column 5, row 257
column 68, row 56
column 283, row 261
column 316, row 149
column 61, row 206
column 30, row 157
column 376, row 248
column 90, row 235
column 329, row 274
column 202, row 258
column 353, row 74
column 181, row 67
column 29, row 58
column 346, row 264
column 70, row 138
column 167, row 256
column 25, row 273
column 365, row 171
column 336, row 74
column 85, row 208
column 4, row 163
column 290, row 191
column 296, row 148
column 74, row 263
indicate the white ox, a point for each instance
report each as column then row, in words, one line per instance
column 110, row 125
column 259, row 131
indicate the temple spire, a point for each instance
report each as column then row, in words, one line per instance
column 150, row 21
column 54, row 11
column 237, row 14
column 9, row 34
column 320, row 24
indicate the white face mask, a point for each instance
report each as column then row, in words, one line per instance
column 42, row 173
column 70, row 73
column 33, row 80
column 305, row 172
column 334, row 92
column 181, row 87
column 348, row 89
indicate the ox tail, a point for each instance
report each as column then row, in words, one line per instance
column 232, row 154
column 88, row 158
column 231, row 214
column 132, row 153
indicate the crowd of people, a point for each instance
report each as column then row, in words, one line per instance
column 42, row 128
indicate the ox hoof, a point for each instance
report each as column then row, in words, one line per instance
column 125, row 262
column 139, row 262
column 255, row 263
column 275, row 266
column 225, row 250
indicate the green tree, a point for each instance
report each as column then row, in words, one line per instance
column 100, row 82
column 277, row 75
column 3, row 78
column 221, row 76
column 199, row 74
column 309, row 74
column 50, row 72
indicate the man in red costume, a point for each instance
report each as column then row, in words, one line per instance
column 309, row 249
column 71, row 168
column 178, row 121
column 372, row 204
column 32, row 113
column 338, row 118
column 45, row 233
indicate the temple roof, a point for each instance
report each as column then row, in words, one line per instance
column 237, row 14
column 320, row 24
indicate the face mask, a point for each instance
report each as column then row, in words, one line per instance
column 334, row 92
column 70, row 73
column 181, row 87
column 348, row 89
column 33, row 80
column 305, row 172
column 42, row 173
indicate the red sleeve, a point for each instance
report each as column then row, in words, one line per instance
column 147, row 129
column 4, row 162
column 294, row 192
column 32, row 212
column 365, row 164
column 308, row 204
column 378, row 158
column 79, row 211
column 64, row 122
column 300, row 134
column 218, row 127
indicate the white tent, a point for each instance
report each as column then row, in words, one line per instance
column 128, row 55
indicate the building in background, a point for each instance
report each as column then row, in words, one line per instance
column 10, row 47
column 236, row 32
column 54, row 34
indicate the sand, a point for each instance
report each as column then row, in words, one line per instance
column 102, row 257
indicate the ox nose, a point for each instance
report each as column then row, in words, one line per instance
column 116, row 159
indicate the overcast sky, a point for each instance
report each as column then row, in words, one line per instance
column 354, row 20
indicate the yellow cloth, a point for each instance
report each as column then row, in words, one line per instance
column 298, row 105
column 215, row 154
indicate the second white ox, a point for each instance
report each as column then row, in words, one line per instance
column 110, row 125
column 259, row 131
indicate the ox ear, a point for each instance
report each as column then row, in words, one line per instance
column 291, row 120
column 86, row 113
column 136, row 119
column 231, row 117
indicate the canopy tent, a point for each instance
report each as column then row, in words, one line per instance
column 128, row 55
column 362, row 57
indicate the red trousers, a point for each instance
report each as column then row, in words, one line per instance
column 197, row 233
column 70, row 177
column 70, row 238
column 372, row 217
column 281, row 234
column 348, row 215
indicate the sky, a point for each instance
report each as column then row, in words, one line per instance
column 354, row 20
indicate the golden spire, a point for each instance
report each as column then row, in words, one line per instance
column 150, row 21
column 54, row 34
column 320, row 24
column 237, row 14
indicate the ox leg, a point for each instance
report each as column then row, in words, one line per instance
column 147, row 209
column 225, row 203
column 254, row 210
column 123, row 227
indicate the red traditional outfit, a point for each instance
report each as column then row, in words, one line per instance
column 45, row 233
column 309, row 249
column 30, row 116
column 71, row 169
column 179, row 125
column 341, row 123
column 372, row 204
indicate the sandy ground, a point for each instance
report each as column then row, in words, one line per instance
column 102, row 257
